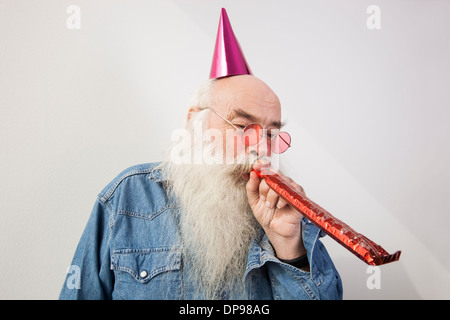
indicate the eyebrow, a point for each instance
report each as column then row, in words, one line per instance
column 241, row 113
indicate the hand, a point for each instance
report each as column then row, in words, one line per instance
column 280, row 221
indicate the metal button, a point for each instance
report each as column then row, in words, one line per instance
column 143, row 274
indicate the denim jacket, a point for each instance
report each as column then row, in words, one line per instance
column 130, row 250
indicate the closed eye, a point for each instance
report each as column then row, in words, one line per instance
column 272, row 133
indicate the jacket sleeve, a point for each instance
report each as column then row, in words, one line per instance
column 321, row 282
column 89, row 276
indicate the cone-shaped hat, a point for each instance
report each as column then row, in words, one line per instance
column 228, row 57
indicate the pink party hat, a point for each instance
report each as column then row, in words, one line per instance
column 228, row 57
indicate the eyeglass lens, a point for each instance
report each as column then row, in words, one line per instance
column 253, row 134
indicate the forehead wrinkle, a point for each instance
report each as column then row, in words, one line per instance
column 248, row 94
column 239, row 112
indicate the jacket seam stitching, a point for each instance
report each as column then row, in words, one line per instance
column 108, row 194
column 146, row 251
column 143, row 215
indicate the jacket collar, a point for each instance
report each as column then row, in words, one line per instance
column 157, row 174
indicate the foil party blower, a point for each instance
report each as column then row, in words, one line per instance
column 365, row 249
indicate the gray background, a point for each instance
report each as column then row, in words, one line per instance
column 367, row 110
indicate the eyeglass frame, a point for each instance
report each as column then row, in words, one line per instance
column 243, row 130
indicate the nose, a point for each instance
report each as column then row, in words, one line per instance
column 262, row 149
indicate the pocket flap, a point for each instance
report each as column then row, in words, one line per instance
column 144, row 264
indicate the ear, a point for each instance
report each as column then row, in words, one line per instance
column 191, row 111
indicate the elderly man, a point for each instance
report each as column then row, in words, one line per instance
column 188, row 230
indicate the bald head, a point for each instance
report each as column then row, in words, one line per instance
column 246, row 94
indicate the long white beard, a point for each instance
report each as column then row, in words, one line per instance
column 217, row 225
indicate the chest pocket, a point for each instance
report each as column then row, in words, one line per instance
column 147, row 273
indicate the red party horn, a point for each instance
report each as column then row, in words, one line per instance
column 364, row 248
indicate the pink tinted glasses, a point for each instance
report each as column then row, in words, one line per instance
column 253, row 133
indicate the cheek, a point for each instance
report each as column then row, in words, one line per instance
column 232, row 145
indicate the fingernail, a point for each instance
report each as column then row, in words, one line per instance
column 262, row 198
column 268, row 204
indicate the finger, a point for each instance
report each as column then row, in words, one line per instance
column 271, row 199
column 263, row 190
column 281, row 203
column 292, row 183
column 299, row 188
column 252, row 188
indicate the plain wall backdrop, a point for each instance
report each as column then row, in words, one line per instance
column 367, row 110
